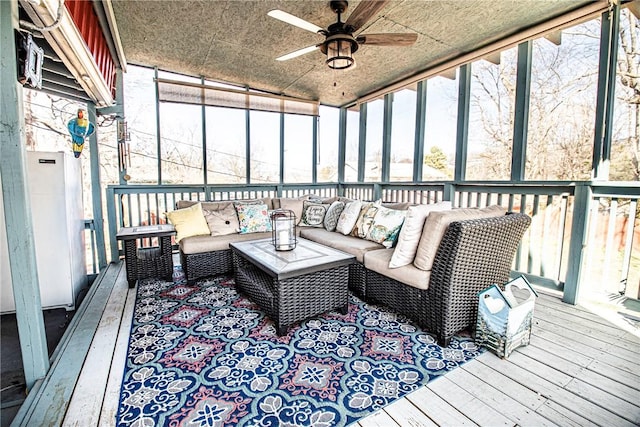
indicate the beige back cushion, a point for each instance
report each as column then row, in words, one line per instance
column 294, row 205
column 411, row 231
column 435, row 226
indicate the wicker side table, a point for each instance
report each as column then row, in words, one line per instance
column 145, row 262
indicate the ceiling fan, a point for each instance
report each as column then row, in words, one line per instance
column 340, row 43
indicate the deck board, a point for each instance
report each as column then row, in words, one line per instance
column 48, row 406
column 438, row 409
column 562, row 416
column 619, row 375
column 116, row 371
column 579, row 370
column 625, row 412
column 491, row 393
column 514, row 389
column 405, row 413
column 597, row 353
column 470, row 406
column 88, row 395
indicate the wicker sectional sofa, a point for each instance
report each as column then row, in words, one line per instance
column 472, row 255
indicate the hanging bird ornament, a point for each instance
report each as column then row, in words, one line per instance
column 80, row 128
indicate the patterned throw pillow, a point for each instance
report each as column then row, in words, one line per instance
column 365, row 219
column 348, row 217
column 253, row 218
column 333, row 215
column 313, row 214
column 386, row 226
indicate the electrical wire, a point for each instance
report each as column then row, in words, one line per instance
column 29, row 26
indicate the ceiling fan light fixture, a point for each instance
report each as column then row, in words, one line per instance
column 339, row 49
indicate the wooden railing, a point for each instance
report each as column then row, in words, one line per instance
column 567, row 236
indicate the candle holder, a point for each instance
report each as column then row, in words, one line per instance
column 283, row 230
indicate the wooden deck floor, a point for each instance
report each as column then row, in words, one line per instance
column 579, row 370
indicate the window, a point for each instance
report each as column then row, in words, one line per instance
column 265, row 147
column 298, row 148
column 403, row 124
column 181, row 144
column 140, row 111
column 373, row 157
column 328, row 144
column 226, row 145
column 563, row 104
column 491, row 118
column 440, row 129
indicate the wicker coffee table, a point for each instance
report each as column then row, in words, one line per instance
column 291, row 286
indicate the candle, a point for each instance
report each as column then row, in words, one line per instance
column 283, row 237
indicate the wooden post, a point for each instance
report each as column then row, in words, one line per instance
column 362, row 142
column 17, row 206
column 342, row 143
column 605, row 100
column 314, row 149
column 578, row 245
column 386, row 137
column 421, row 118
column 96, row 192
column 521, row 119
column 281, row 170
column 462, row 138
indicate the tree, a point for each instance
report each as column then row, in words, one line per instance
column 562, row 103
column 627, row 137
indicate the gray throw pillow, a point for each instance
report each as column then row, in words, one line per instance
column 333, row 215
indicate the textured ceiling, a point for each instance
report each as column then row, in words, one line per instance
column 236, row 42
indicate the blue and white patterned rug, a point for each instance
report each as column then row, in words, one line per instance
column 203, row 355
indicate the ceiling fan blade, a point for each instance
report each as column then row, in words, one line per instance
column 388, row 39
column 294, row 20
column 364, row 11
column 298, row 52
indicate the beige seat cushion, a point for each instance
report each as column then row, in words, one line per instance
column 378, row 261
column 405, row 250
column 435, row 226
column 201, row 244
column 351, row 245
